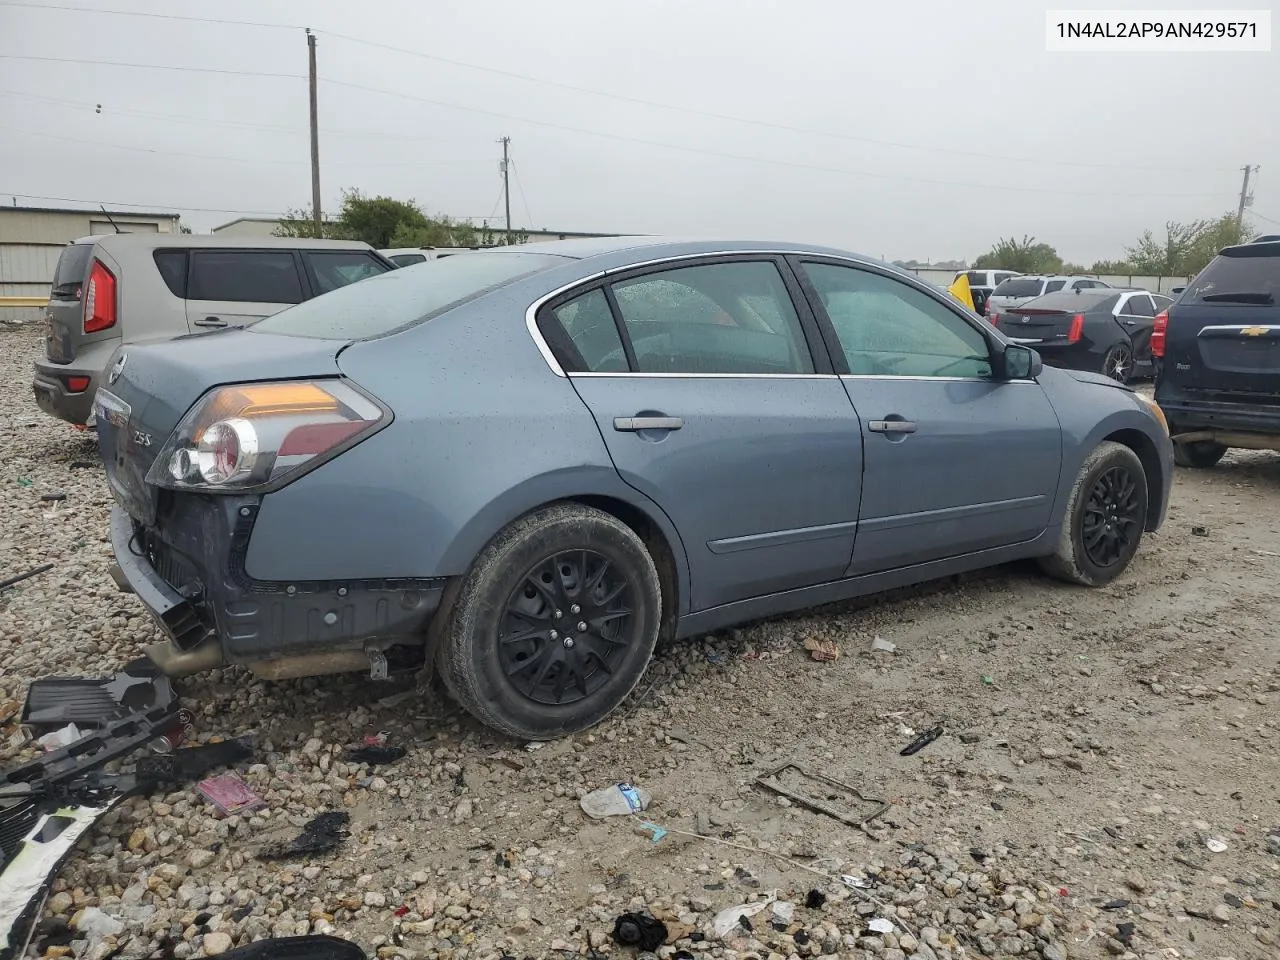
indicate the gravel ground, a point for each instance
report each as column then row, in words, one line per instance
column 1095, row 741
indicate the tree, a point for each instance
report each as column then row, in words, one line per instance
column 382, row 222
column 1074, row 269
column 1025, row 256
column 1120, row 268
column 1185, row 248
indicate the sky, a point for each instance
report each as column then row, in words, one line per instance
column 923, row 130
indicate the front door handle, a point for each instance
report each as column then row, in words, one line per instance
column 891, row 426
column 634, row 424
column 211, row 322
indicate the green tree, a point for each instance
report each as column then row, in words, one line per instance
column 1075, row 269
column 1120, row 268
column 382, row 222
column 1025, row 256
column 1185, row 248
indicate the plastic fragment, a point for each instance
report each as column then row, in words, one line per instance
column 619, row 799
column 1215, row 845
column 62, row 737
column 230, row 794
column 881, row 925
column 730, row 918
column 880, row 645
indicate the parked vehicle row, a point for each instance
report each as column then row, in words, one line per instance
column 982, row 283
column 527, row 466
column 124, row 288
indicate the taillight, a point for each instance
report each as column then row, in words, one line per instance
column 994, row 319
column 1077, row 328
column 99, row 299
column 1158, row 331
column 77, row 384
column 250, row 435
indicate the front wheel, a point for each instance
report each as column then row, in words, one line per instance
column 1118, row 363
column 554, row 623
column 1199, row 453
column 1105, row 516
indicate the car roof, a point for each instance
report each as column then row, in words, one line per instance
column 641, row 249
column 188, row 240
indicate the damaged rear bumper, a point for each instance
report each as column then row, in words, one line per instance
column 189, row 572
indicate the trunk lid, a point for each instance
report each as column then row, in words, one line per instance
column 148, row 388
column 1032, row 323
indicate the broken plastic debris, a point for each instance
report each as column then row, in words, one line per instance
column 824, row 651
column 652, row 828
column 320, row 835
column 93, row 923
column 920, row 742
column 230, row 794
column 62, row 737
column 851, row 881
column 376, row 754
column 1216, row 845
column 535, row 745
column 879, row 645
column 784, row 910
column 617, row 800
column 639, row 930
column 730, row 918
column 881, row 925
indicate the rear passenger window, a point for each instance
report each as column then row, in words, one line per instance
column 716, row 318
column 584, row 337
column 337, row 268
column 248, row 276
column 1053, row 286
column 172, row 265
column 1139, row 307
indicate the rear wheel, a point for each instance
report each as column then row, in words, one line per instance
column 1105, row 516
column 554, row 624
column 1118, row 363
column 1200, row 453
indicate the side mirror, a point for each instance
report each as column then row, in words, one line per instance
column 1021, row 363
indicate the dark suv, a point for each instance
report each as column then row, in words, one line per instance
column 1218, row 346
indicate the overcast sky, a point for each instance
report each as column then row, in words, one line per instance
column 917, row 130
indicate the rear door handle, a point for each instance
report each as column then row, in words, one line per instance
column 634, row 424
column 211, row 322
column 891, row 426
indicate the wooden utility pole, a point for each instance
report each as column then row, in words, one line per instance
column 1244, row 195
column 315, row 139
column 506, row 183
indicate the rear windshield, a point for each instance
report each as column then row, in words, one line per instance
column 1249, row 278
column 72, row 267
column 399, row 298
column 1069, row 301
column 1019, row 287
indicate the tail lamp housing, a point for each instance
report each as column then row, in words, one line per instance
column 99, row 299
column 1159, row 331
column 1076, row 330
column 259, row 436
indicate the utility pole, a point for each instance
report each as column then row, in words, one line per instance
column 506, row 183
column 1244, row 196
column 315, row 139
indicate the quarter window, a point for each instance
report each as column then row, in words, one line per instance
column 583, row 335
column 713, row 318
column 1053, row 286
column 245, row 276
column 887, row 328
column 1139, row 306
column 334, row 269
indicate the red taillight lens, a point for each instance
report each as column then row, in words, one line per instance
column 77, row 384
column 99, row 299
column 994, row 319
column 1158, row 333
column 1077, row 328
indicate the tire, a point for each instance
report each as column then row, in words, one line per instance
column 1118, row 363
column 515, row 666
column 1201, row 454
column 1110, row 489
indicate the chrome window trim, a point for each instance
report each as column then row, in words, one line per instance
column 531, row 313
column 897, row 376
column 708, row 376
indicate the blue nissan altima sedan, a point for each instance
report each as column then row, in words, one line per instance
column 522, row 467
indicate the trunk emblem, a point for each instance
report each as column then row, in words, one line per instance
column 1253, row 331
column 116, row 369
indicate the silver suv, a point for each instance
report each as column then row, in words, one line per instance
column 122, row 288
column 1016, row 291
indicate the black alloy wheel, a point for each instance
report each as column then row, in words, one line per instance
column 1118, row 363
column 1113, row 516
column 566, row 626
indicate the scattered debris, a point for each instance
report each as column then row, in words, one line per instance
column 34, row 571
column 814, row 899
column 230, row 794
column 1125, row 932
column 189, row 763
column 639, row 930
column 93, row 923
column 988, row 680
column 395, row 699
column 90, row 702
column 321, row 834
column 652, row 828
column 784, row 911
column 82, row 465
column 1115, row 904
column 1215, row 845
column 773, row 783
column 533, row 745
column 62, row 737
column 1199, row 531
column 620, row 799
column 376, row 755
column 311, row 947
column 920, row 742
column 52, row 497
column 881, row 925
column 731, row 918
column 824, row 651
column 879, row 645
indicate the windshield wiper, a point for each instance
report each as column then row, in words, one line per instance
column 1244, row 296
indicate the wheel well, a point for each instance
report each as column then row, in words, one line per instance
column 655, row 542
column 1142, row 445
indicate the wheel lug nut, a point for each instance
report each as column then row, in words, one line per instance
column 555, row 634
column 582, row 626
column 568, row 642
column 575, row 609
column 559, row 614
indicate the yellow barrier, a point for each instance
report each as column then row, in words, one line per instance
column 24, row 302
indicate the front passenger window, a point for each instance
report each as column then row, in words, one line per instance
column 887, row 328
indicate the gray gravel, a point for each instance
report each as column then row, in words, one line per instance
column 1096, row 740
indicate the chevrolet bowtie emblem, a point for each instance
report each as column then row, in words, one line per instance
column 1253, row 331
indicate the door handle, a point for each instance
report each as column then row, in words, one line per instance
column 634, row 424
column 1131, row 323
column 891, row 426
column 210, row 322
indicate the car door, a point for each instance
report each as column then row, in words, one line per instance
column 703, row 380
column 1137, row 316
column 232, row 287
column 955, row 460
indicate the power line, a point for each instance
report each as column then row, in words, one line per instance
column 1255, row 213
column 749, row 159
column 515, row 169
column 641, row 101
column 152, row 66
